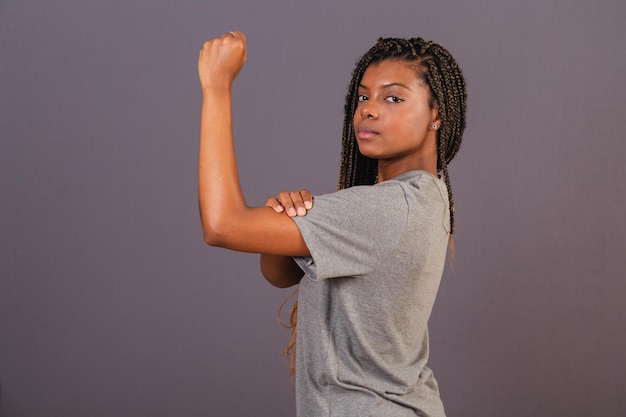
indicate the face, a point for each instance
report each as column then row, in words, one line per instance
column 393, row 121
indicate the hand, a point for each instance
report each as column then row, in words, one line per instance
column 221, row 59
column 295, row 203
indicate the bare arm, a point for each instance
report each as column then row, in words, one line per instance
column 280, row 271
column 227, row 221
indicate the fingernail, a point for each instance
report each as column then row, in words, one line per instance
column 308, row 204
column 291, row 211
column 301, row 211
column 279, row 208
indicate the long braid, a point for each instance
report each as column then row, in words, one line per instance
column 355, row 169
column 438, row 69
column 447, row 84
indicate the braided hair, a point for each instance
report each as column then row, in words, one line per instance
column 439, row 71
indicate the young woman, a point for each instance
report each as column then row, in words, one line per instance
column 374, row 251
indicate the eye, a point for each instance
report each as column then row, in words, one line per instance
column 394, row 99
column 361, row 97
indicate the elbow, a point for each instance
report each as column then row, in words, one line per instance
column 213, row 234
column 211, row 239
column 220, row 227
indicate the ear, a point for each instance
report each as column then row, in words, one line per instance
column 435, row 123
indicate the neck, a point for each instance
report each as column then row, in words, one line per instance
column 391, row 169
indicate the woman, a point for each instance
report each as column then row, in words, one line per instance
column 374, row 251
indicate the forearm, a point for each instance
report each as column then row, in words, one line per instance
column 280, row 271
column 219, row 189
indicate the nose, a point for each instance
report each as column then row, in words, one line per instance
column 368, row 110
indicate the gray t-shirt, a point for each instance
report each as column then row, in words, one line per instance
column 362, row 341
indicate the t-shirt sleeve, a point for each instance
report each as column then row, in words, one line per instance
column 351, row 231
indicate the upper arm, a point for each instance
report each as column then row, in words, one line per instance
column 257, row 230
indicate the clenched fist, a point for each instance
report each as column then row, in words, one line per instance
column 221, row 59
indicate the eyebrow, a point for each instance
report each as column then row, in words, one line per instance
column 388, row 85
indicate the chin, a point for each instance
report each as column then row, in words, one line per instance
column 370, row 153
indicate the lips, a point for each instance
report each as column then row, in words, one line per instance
column 366, row 132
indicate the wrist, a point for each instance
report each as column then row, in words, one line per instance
column 218, row 87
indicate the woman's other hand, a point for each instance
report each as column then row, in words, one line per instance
column 295, row 203
column 221, row 59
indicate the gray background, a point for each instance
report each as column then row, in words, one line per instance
column 110, row 303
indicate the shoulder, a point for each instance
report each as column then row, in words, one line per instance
column 349, row 232
column 427, row 199
column 386, row 198
column 423, row 185
column 361, row 209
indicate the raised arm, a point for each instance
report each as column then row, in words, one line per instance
column 227, row 221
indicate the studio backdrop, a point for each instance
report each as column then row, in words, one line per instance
column 112, row 305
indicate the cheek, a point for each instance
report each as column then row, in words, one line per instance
column 418, row 124
column 419, row 120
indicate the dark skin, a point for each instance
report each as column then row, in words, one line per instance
column 393, row 124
